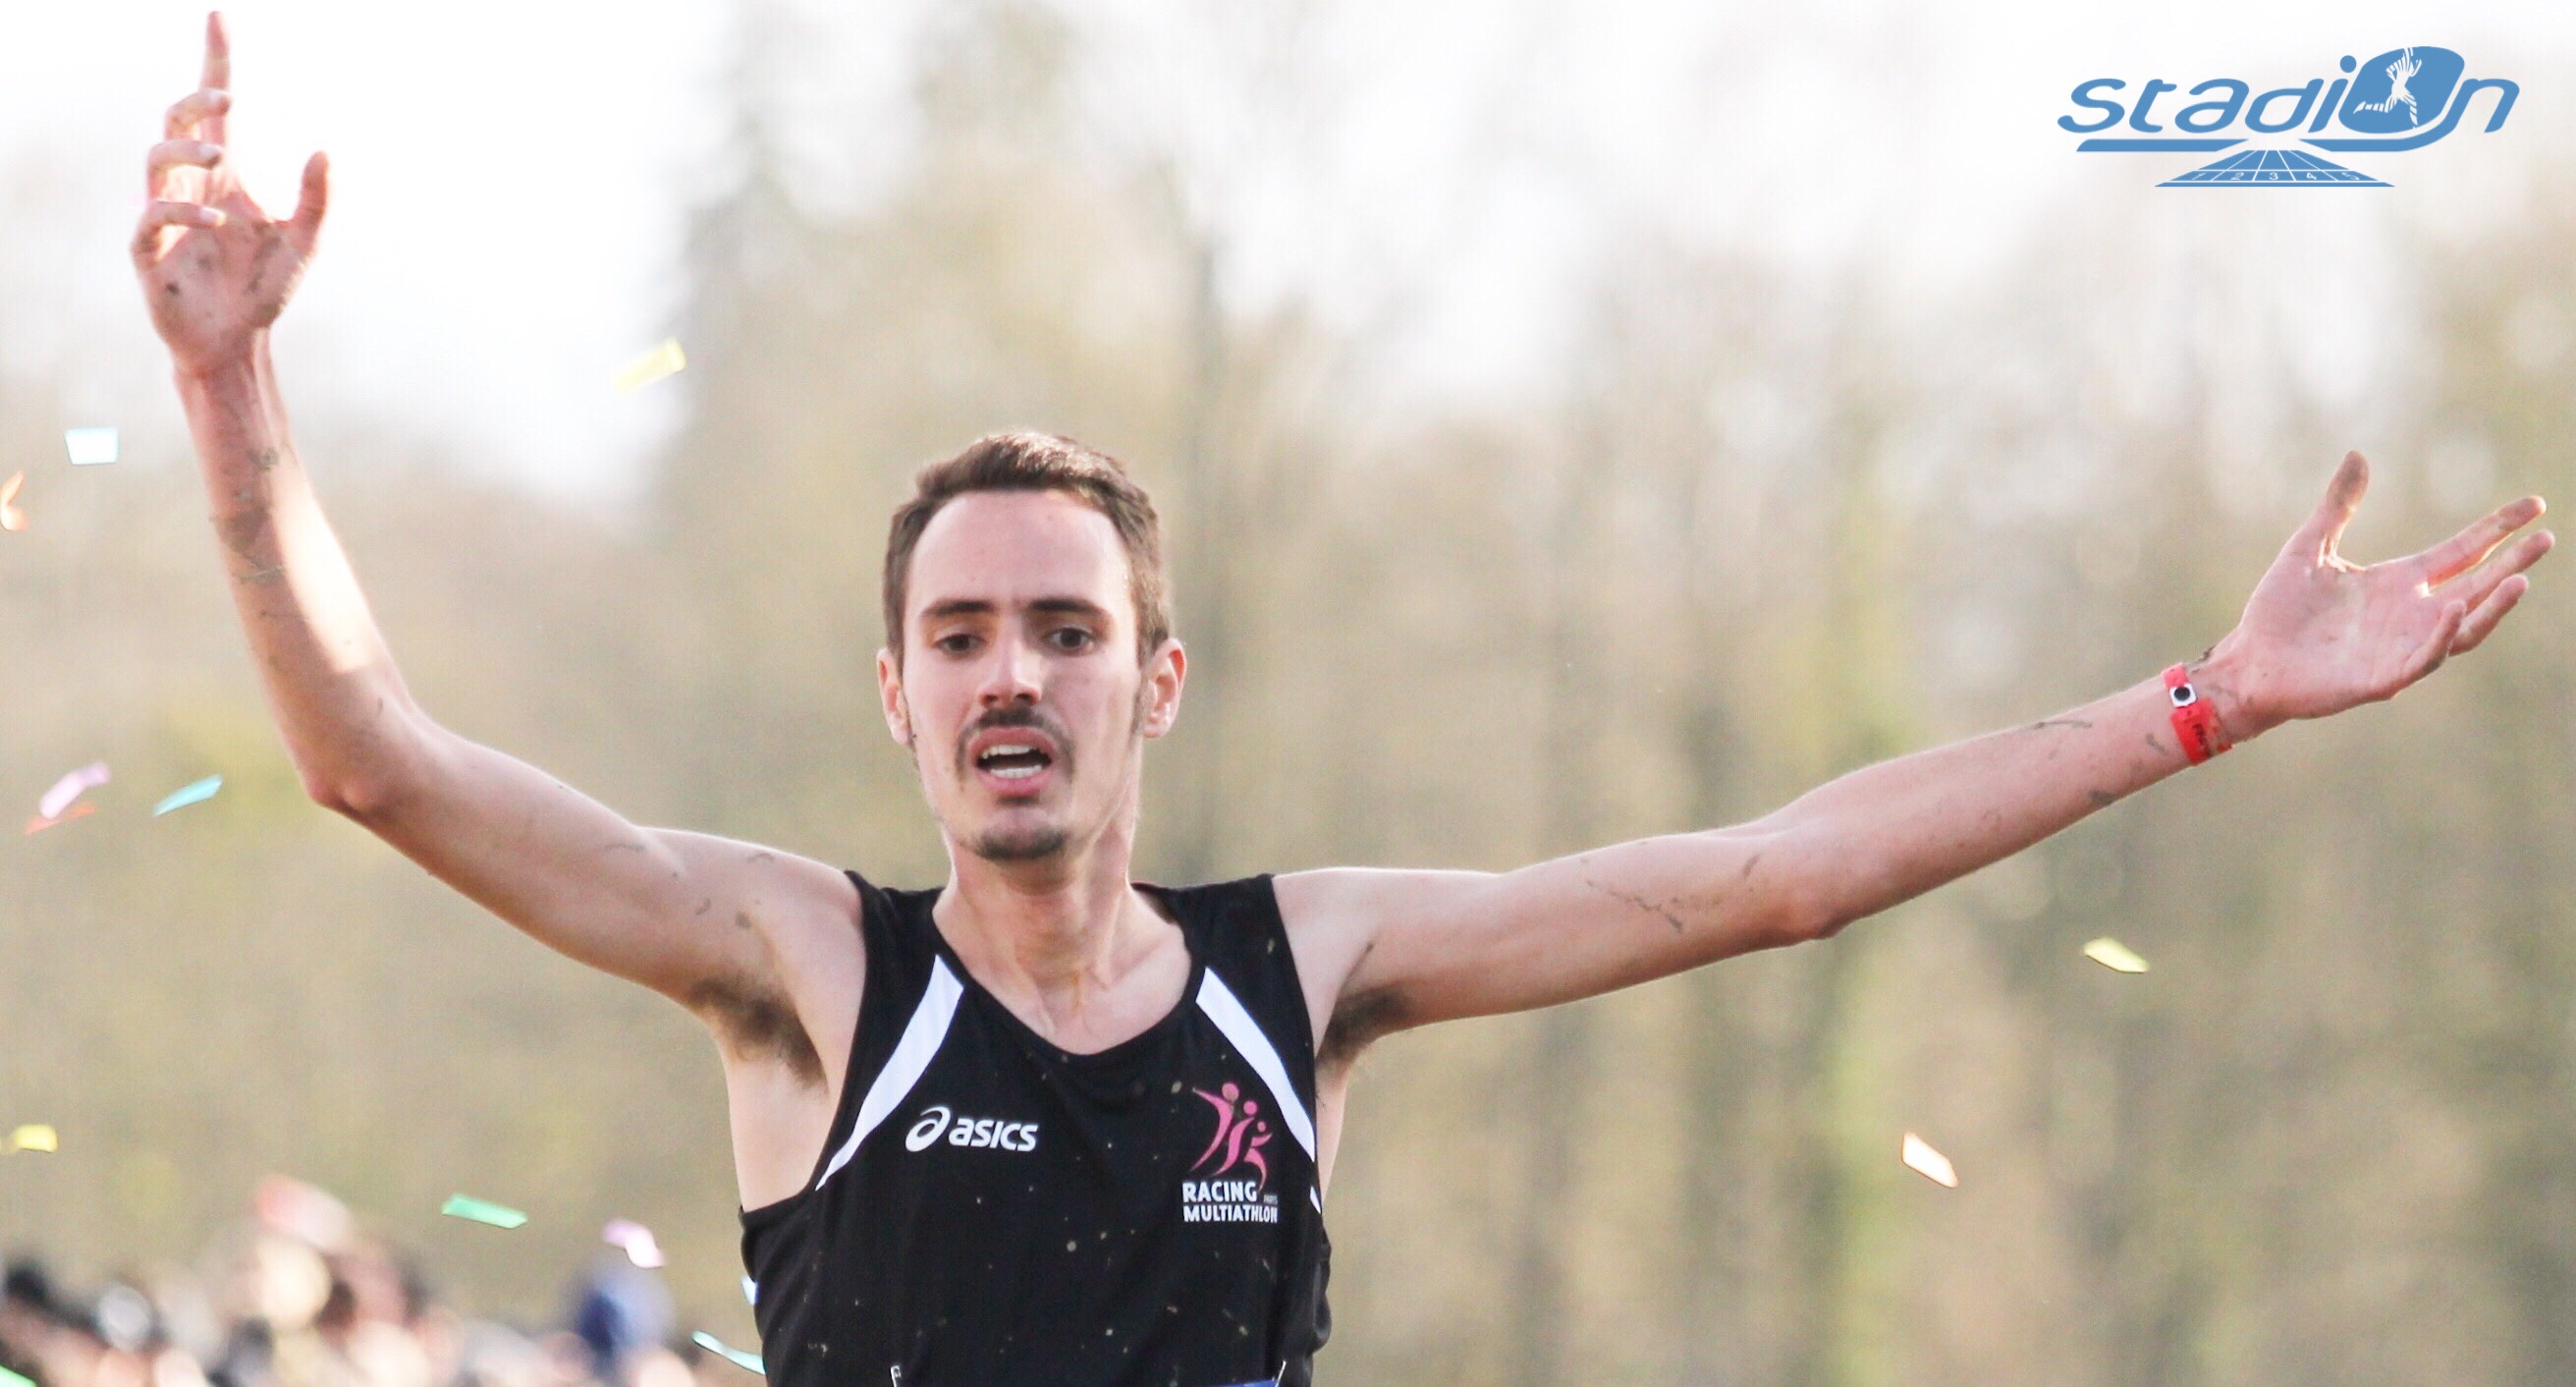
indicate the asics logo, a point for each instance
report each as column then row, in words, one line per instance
column 938, row 1121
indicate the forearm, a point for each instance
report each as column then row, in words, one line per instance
column 1889, row 832
column 347, row 720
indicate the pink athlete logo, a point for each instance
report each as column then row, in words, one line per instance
column 1241, row 1132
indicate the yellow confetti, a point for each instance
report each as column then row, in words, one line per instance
column 664, row 360
column 2114, row 955
column 34, row 1136
column 1928, row 1163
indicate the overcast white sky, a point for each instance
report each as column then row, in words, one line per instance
column 511, row 178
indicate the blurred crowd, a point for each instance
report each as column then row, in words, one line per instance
column 296, row 1296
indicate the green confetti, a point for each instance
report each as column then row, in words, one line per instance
column 740, row 1359
column 10, row 1379
column 186, row 795
column 463, row 1206
column 2114, row 955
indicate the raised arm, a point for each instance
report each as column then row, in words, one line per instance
column 701, row 919
column 2319, row 635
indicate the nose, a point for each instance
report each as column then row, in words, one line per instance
column 1011, row 676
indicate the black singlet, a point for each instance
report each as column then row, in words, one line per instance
column 991, row 1211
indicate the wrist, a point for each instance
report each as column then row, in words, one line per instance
column 2222, row 679
column 233, row 368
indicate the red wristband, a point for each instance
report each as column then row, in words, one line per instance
column 2195, row 723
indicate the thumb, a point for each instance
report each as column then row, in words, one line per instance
column 306, row 226
column 2324, row 529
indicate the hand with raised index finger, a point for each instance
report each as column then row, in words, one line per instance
column 215, row 269
column 2322, row 634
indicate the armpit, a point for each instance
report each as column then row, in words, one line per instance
column 753, row 1023
column 1358, row 1020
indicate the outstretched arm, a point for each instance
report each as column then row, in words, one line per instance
column 2319, row 635
column 671, row 910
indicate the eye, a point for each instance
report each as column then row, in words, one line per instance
column 954, row 643
column 1071, row 638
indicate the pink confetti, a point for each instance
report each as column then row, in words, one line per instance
column 636, row 1239
column 12, row 518
column 301, row 1211
column 69, row 788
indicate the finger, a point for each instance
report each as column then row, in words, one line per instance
column 2489, row 612
column 306, row 226
column 2473, row 586
column 2342, row 498
column 159, row 217
column 172, row 155
column 196, row 106
column 218, row 74
column 2470, row 547
column 2436, row 648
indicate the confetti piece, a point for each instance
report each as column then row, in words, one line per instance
column 69, row 788
column 40, row 823
column 664, row 360
column 636, row 1239
column 34, row 1136
column 90, row 447
column 10, row 1379
column 1928, row 1163
column 712, row 1344
column 194, row 793
column 480, row 1211
column 12, row 518
column 2114, row 955
column 302, row 1211
column 750, row 1292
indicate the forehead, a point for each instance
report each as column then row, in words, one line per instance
column 1011, row 547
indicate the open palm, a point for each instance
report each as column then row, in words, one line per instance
column 2322, row 634
column 216, row 270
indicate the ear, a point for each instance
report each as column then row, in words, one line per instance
column 898, row 714
column 1162, row 692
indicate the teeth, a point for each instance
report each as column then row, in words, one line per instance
column 1019, row 772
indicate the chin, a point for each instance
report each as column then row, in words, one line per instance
column 1024, row 843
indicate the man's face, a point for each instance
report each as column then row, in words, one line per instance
column 1019, row 694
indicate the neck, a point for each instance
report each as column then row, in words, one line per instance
column 1061, row 928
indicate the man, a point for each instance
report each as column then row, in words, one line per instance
column 1044, row 1123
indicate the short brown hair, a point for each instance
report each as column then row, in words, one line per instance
column 1037, row 462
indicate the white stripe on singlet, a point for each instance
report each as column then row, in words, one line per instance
column 921, row 1038
column 1218, row 1001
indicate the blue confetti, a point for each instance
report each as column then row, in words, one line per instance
column 740, row 1359
column 187, row 795
column 90, row 447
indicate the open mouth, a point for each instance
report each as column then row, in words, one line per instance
column 1013, row 760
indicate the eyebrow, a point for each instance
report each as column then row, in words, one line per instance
column 1053, row 606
